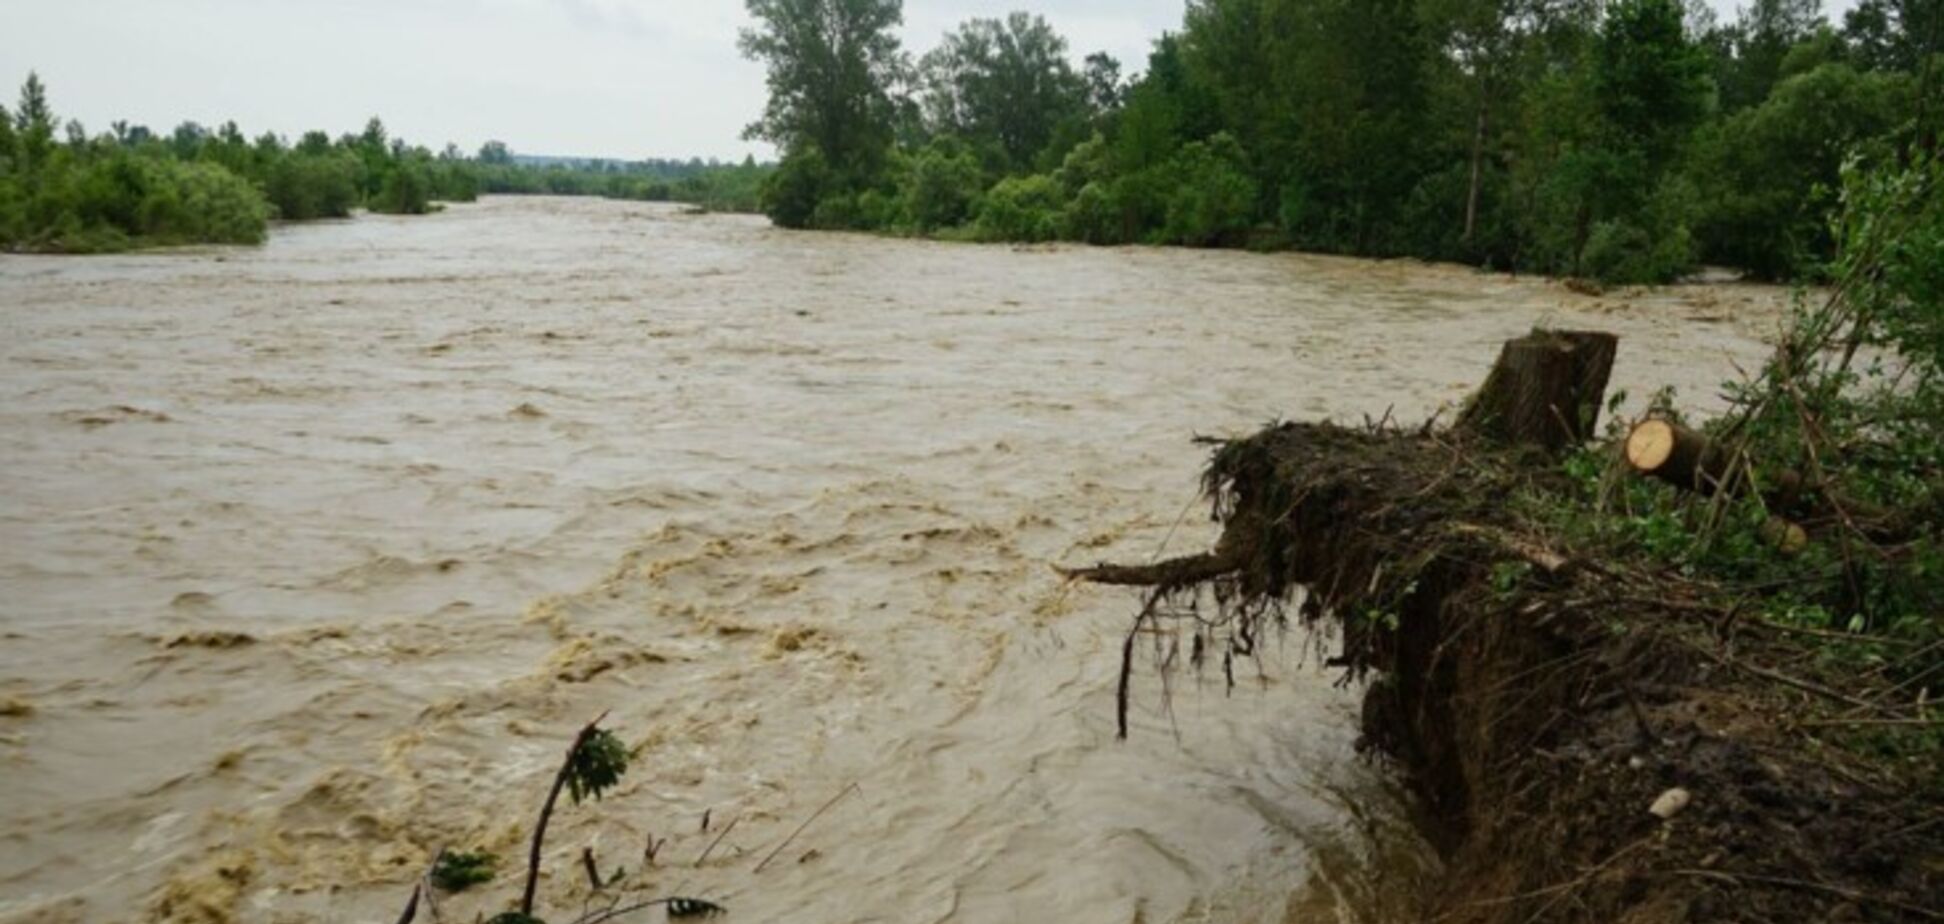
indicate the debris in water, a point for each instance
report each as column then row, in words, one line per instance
column 693, row 908
column 214, row 639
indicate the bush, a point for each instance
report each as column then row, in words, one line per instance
column 791, row 195
column 454, row 181
column 1094, row 216
column 1761, row 168
column 308, row 186
column 1021, row 209
column 1213, row 197
column 838, row 213
column 940, row 186
column 405, row 190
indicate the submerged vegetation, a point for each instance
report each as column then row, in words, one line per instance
column 1628, row 141
column 130, row 187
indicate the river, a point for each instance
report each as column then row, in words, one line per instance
column 314, row 556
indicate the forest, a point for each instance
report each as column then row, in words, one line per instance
column 64, row 190
column 1628, row 141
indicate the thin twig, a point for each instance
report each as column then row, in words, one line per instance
column 593, row 868
column 1838, row 891
column 1840, row 723
column 731, row 826
column 1784, row 679
column 806, row 823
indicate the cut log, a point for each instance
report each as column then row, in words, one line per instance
column 1545, row 391
column 1681, row 457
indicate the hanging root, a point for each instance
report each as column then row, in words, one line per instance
column 1186, row 571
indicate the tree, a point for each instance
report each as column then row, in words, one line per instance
column 495, row 152
column 1757, row 172
column 1760, row 42
column 831, row 64
column 1650, row 82
column 8, row 141
column 1006, row 82
column 34, row 124
column 1102, row 75
column 1894, row 34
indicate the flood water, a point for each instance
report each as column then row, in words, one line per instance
column 313, row 557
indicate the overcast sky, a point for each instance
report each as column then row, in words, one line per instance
column 617, row 78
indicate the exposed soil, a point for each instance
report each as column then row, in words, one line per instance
column 1544, row 698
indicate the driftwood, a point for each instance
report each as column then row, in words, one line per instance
column 1545, row 391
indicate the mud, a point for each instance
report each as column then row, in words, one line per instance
column 313, row 556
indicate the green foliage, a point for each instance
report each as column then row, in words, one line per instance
column 596, row 765
column 461, row 870
column 406, row 189
column 1213, row 197
column 1611, row 140
column 1095, row 216
column 305, row 186
column 1864, row 435
column 1763, row 174
column 801, row 181
column 1005, row 82
column 131, row 188
column 940, row 185
column 1021, row 209
column 831, row 65
column 1649, row 81
column 513, row 917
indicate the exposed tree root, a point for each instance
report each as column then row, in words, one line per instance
column 1185, row 571
column 1542, row 697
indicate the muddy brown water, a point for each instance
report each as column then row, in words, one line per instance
column 313, row 556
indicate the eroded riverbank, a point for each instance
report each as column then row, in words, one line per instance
column 314, row 555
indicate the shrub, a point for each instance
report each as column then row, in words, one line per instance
column 791, row 195
column 940, row 186
column 1213, row 197
column 405, row 190
column 1094, row 216
column 838, row 213
column 306, row 186
column 1021, row 209
column 1761, row 168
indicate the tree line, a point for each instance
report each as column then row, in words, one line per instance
column 63, row 189
column 1623, row 140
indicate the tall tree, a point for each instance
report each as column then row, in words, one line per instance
column 1650, row 81
column 831, row 65
column 34, row 122
column 1102, row 74
column 1895, row 34
column 1006, row 82
column 1760, row 40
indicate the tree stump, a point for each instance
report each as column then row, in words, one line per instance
column 1545, row 391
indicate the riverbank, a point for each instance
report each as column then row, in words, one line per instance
column 1594, row 736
